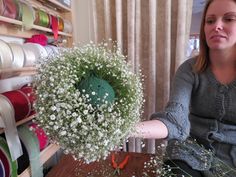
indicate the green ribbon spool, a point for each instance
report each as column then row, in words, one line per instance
column 28, row 15
column 99, row 90
column 43, row 18
column 13, row 164
column 31, row 143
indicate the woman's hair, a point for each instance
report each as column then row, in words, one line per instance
column 203, row 58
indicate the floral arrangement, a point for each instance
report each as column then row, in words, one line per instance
column 157, row 167
column 86, row 122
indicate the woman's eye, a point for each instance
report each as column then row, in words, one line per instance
column 210, row 21
column 229, row 19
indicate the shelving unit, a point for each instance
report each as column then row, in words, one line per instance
column 12, row 72
column 24, row 33
column 60, row 6
column 14, row 28
column 20, row 122
column 44, row 156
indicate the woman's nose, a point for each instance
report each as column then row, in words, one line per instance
column 218, row 26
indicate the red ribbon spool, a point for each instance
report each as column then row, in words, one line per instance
column 22, row 101
column 41, row 135
column 10, row 9
column 28, row 90
column 55, row 26
column 5, row 162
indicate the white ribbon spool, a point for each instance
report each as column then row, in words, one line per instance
column 38, row 51
column 19, row 55
column 2, row 124
column 67, row 26
column 6, row 56
column 30, row 57
column 14, row 83
column 49, row 50
column 55, row 49
column 8, row 115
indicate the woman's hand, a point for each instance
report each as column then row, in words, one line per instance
column 151, row 129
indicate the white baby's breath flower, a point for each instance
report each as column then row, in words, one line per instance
column 79, row 120
column 70, row 120
column 62, row 133
column 85, row 112
column 52, row 117
column 54, row 108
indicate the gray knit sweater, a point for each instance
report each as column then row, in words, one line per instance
column 202, row 108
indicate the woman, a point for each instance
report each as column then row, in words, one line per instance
column 202, row 104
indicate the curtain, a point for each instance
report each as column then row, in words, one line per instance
column 153, row 34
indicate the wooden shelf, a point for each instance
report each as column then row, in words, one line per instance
column 22, row 31
column 12, row 72
column 60, row 5
column 44, row 156
column 20, row 122
column 49, row 5
column 14, row 29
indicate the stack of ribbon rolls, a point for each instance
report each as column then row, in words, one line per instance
column 14, row 55
column 23, row 145
column 23, row 11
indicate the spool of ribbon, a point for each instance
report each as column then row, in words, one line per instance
column 67, row 26
column 14, row 83
column 20, row 102
column 19, row 10
column 2, row 170
column 10, row 9
column 32, row 146
column 38, row 50
column 28, row 90
column 6, row 56
column 18, row 55
column 30, row 56
column 41, row 135
column 60, row 24
column 8, row 116
column 2, row 7
column 49, row 50
column 28, row 15
column 5, row 163
column 2, row 124
column 54, row 26
column 42, row 18
column 10, row 166
column 55, row 49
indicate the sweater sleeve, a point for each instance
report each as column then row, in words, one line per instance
column 175, row 114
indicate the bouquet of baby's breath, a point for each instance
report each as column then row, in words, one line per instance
column 214, row 167
column 87, row 131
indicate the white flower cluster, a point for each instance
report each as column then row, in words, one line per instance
column 68, row 118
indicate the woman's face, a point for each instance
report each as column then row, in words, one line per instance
column 220, row 24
